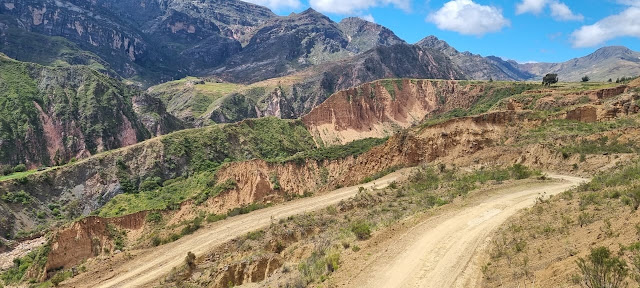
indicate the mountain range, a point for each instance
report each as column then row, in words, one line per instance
column 150, row 42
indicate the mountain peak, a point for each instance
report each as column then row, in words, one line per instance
column 310, row 11
column 434, row 42
column 610, row 52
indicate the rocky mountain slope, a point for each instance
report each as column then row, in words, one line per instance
column 478, row 67
column 49, row 116
column 606, row 63
column 295, row 95
column 285, row 45
column 144, row 40
column 151, row 42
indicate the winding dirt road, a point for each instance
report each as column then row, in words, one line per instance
column 445, row 250
column 147, row 268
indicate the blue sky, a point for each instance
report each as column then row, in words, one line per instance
column 523, row 30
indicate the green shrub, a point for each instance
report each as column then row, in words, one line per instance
column 245, row 209
column 634, row 195
column 361, row 229
column 255, row 235
column 20, row 197
column 154, row 217
column 601, row 269
column 150, row 184
column 275, row 183
column 20, row 168
column 191, row 227
column 520, row 172
column 214, row 218
column 156, row 241
column 59, row 277
column 17, row 273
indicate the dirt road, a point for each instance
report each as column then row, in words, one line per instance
column 150, row 266
column 444, row 251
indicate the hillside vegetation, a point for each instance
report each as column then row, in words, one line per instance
column 50, row 115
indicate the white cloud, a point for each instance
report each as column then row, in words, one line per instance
column 531, row 6
column 629, row 2
column 277, row 4
column 561, row 12
column 354, row 6
column 469, row 18
column 624, row 24
column 368, row 17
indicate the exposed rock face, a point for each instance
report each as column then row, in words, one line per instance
column 89, row 238
column 154, row 41
column 363, row 35
column 55, row 114
column 587, row 114
column 294, row 98
column 475, row 66
column 153, row 114
column 288, row 44
column 381, row 108
column 157, row 40
column 461, row 137
column 552, row 100
column 251, row 270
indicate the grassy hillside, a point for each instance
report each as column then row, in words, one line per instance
column 50, row 115
column 191, row 97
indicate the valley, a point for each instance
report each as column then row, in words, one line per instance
column 218, row 143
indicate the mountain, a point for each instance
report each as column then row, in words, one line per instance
column 363, row 35
column 295, row 95
column 152, row 41
column 149, row 41
column 475, row 66
column 605, row 63
column 285, row 45
column 49, row 116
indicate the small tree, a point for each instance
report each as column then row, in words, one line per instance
column 550, row 79
column 610, row 80
column 585, row 79
column 601, row 270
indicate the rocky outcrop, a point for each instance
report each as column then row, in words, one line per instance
column 251, row 270
column 89, row 237
column 586, row 114
column 363, row 35
column 381, row 108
